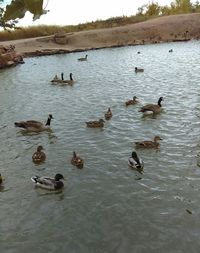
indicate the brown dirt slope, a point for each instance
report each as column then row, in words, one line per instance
column 163, row 29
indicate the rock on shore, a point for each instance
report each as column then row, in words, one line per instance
column 8, row 57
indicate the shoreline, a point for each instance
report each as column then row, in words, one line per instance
column 183, row 27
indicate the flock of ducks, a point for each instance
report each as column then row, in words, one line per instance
column 39, row 156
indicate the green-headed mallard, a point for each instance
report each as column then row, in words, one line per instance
column 77, row 161
column 149, row 144
column 49, row 183
column 35, row 126
column 152, row 108
column 108, row 114
column 94, row 124
column 132, row 101
column 39, row 156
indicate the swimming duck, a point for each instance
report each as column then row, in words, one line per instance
column 83, row 58
column 77, row 161
column 149, row 144
column 49, row 183
column 99, row 123
column 171, row 50
column 135, row 162
column 138, row 70
column 152, row 108
column 132, row 101
column 35, row 126
column 108, row 114
column 39, row 156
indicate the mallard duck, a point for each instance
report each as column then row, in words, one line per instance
column 39, row 156
column 138, row 70
column 149, row 144
column 83, row 58
column 99, row 123
column 35, row 126
column 135, row 162
column 108, row 114
column 77, row 161
column 49, row 183
column 132, row 101
column 152, row 108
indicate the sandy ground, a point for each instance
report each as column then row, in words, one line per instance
column 164, row 29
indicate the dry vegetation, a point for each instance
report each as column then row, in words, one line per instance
column 44, row 30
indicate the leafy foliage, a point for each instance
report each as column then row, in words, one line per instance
column 16, row 10
column 176, row 7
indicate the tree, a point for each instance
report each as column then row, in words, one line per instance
column 16, row 10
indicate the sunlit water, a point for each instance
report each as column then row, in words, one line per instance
column 105, row 207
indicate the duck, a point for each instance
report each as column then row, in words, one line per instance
column 138, row 70
column 132, row 101
column 171, row 50
column 77, row 161
column 83, row 58
column 97, row 123
column 135, row 162
column 149, row 144
column 39, row 156
column 35, row 126
column 108, row 114
column 71, row 80
column 152, row 108
column 48, row 183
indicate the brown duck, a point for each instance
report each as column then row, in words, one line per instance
column 149, row 144
column 94, row 124
column 77, row 161
column 108, row 114
column 132, row 101
column 39, row 156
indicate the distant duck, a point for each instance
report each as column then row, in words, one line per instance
column 132, row 101
column 77, row 161
column 35, row 126
column 138, row 52
column 49, row 183
column 70, row 81
column 135, row 162
column 95, row 124
column 152, row 108
column 171, row 50
column 138, row 70
column 108, row 114
column 149, row 144
column 39, row 156
column 83, row 58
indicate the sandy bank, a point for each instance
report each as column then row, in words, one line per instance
column 158, row 30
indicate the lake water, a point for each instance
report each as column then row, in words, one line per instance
column 105, row 207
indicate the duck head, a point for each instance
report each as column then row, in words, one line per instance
column 157, row 138
column 58, row 176
column 40, row 148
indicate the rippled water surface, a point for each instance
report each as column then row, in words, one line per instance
column 105, row 207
